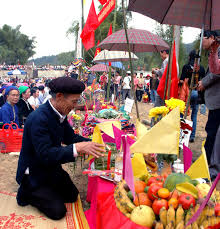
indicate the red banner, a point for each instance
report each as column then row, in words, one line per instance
column 103, row 2
column 106, row 10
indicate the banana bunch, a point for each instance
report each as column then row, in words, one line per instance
column 122, row 201
column 171, row 219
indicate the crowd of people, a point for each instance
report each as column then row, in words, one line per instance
column 47, row 104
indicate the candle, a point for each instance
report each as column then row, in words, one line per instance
column 109, row 159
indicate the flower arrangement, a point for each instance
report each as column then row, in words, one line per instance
column 173, row 103
column 158, row 111
column 145, row 98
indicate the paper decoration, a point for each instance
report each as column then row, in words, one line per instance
column 106, row 127
column 96, row 137
column 199, row 211
column 163, row 138
column 128, row 105
column 185, row 132
column 199, row 169
column 187, row 157
column 138, row 165
column 117, row 135
column 127, row 166
column 141, row 129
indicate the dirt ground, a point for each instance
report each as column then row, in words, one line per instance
column 8, row 163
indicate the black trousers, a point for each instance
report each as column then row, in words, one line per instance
column 48, row 198
column 211, row 128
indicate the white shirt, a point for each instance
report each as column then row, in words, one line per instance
column 126, row 82
column 33, row 101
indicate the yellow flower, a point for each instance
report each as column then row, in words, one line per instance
column 76, row 117
column 173, row 103
column 154, row 112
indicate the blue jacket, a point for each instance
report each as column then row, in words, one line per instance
column 41, row 149
column 7, row 115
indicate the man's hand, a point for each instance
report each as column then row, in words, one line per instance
column 200, row 86
column 90, row 148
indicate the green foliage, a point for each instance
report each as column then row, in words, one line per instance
column 44, row 60
column 15, row 47
column 74, row 30
column 204, row 56
column 65, row 58
column 153, row 60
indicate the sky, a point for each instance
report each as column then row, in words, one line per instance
column 48, row 21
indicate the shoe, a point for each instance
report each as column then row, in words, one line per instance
column 21, row 200
column 191, row 140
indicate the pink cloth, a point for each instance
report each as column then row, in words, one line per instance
column 22, row 84
column 214, row 62
column 117, row 79
column 96, row 186
column 135, row 82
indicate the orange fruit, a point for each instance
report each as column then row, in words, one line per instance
column 174, row 202
column 139, row 186
column 163, row 193
column 143, row 199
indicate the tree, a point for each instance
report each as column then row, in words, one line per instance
column 15, row 47
column 204, row 56
column 65, row 58
column 74, row 30
column 166, row 33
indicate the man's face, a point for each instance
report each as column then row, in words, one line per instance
column 207, row 42
column 141, row 75
column 66, row 103
column 163, row 55
column 13, row 97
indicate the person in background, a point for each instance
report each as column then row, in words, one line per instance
column 164, row 54
column 9, row 111
column 187, row 72
column 117, row 80
column 33, row 100
column 33, row 85
column 24, row 107
column 147, row 87
column 211, row 85
column 140, row 88
column 91, row 78
column 154, row 82
column 42, row 94
column 126, row 88
column 2, row 97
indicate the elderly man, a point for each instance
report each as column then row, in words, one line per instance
column 43, row 182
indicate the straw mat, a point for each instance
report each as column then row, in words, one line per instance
column 13, row 216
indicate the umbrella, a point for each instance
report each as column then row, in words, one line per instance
column 100, row 68
column 17, row 72
column 180, row 12
column 112, row 56
column 115, row 65
column 140, row 41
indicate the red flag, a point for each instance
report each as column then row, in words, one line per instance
column 102, row 1
column 88, row 33
column 110, row 30
column 174, row 79
column 98, row 50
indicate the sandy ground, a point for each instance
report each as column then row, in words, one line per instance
column 8, row 163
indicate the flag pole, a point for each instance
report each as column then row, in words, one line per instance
column 170, row 65
column 129, row 52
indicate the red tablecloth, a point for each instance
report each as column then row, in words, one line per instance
column 103, row 213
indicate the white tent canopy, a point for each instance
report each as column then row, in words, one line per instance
column 113, row 56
